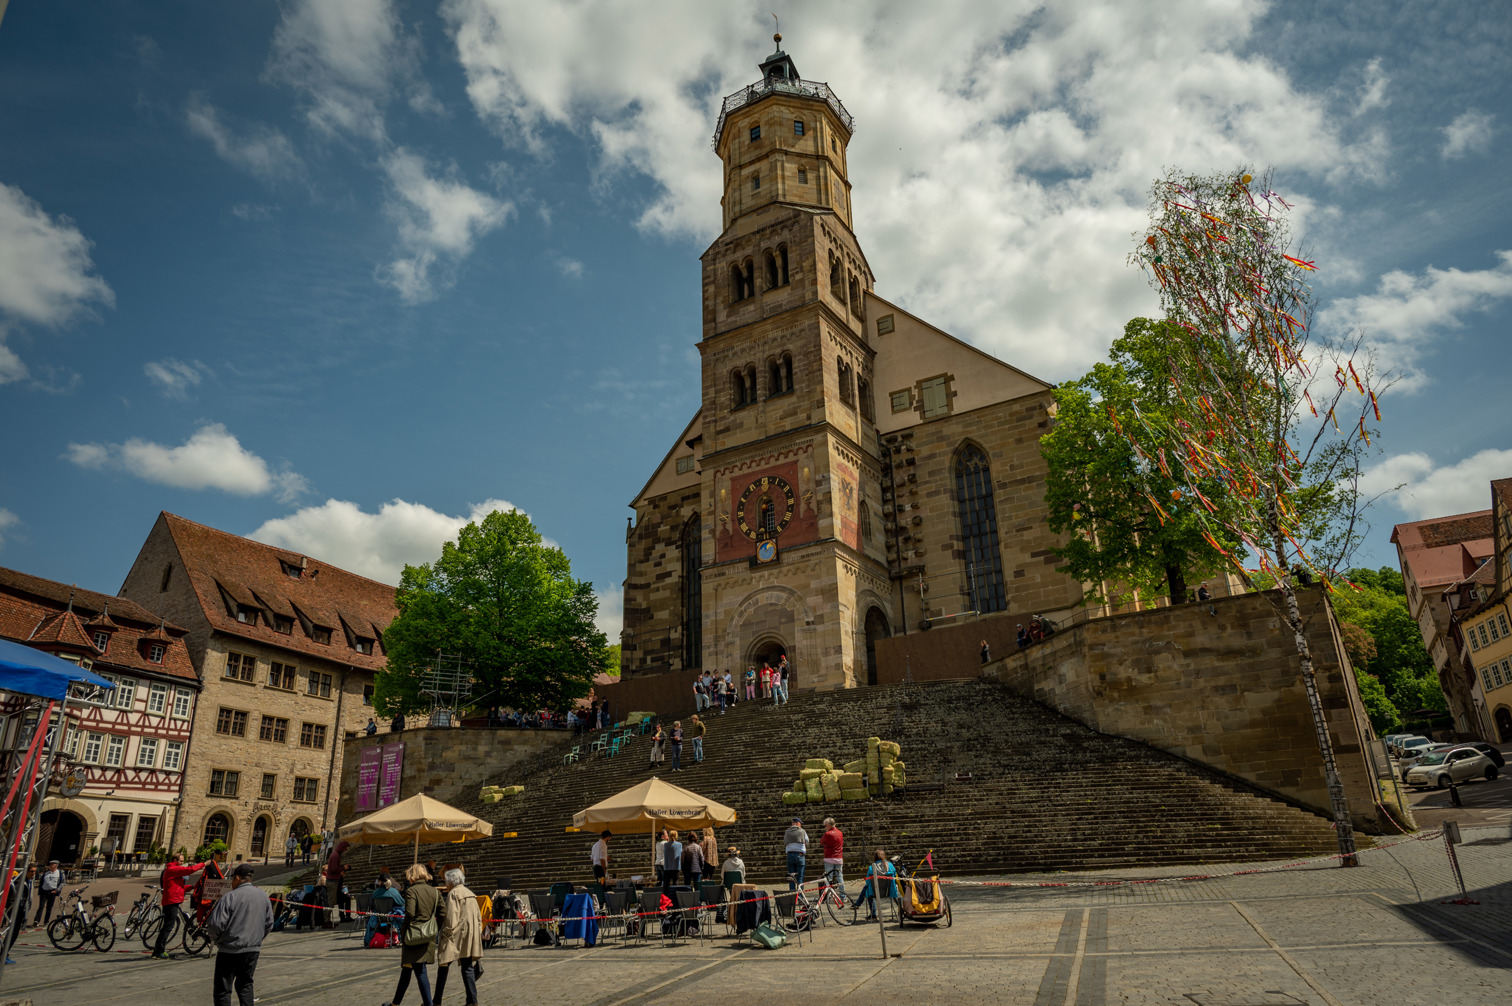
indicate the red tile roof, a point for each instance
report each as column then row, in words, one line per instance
column 228, row 570
column 1445, row 550
column 36, row 611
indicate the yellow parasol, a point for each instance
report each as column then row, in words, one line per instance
column 410, row 822
column 643, row 806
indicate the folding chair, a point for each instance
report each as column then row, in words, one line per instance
column 616, row 913
column 785, row 910
column 689, row 904
column 364, row 907
column 650, row 914
column 712, row 899
column 545, row 915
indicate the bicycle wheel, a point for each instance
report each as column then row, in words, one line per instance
column 104, row 933
column 65, row 933
column 838, row 908
column 948, row 921
column 196, row 939
column 151, row 929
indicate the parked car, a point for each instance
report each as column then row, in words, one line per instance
column 1490, row 752
column 1390, row 740
column 1409, row 744
column 1414, row 756
column 1454, row 764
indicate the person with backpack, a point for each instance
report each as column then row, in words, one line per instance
column 172, row 884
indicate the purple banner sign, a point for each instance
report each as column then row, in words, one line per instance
column 367, row 779
column 391, row 769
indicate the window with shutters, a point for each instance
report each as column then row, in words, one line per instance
column 934, row 396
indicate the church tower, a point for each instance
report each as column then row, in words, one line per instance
column 792, row 556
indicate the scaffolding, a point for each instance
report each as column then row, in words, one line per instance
column 448, row 681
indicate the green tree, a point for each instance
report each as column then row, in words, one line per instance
column 502, row 600
column 612, row 660
column 1400, row 660
column 1116, row 537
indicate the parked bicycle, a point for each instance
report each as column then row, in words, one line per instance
column 76, row 927
column 194, row 939
column 143, row 911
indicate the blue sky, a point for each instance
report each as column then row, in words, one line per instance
column 341, row 274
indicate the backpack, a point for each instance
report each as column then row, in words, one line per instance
column 769, row 936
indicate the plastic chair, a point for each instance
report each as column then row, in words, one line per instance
column 574, row 755
column 713, row 899
column 785, row 909
column 559, row 893
column 689, row 904
column 650, row 914
column 545, row 913
column 616, row 913
column 364, row 904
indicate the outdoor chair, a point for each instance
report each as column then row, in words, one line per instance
column 545, row 914
column 573, row 755
column 650, row 915
column 732, row 878
column 785, row 912
column 713, row 899
column 364, row 907
column 599, row 746
column 689, row 904
column 559, row 893
column 616, row 914
column 507, row 922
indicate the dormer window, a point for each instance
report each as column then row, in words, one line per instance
column 101, row 640
column 290, row 570
column 755, row 133
column 283, row 623
column 246, row 614
column 363, row 645
column 155, row 652
column 320, row 634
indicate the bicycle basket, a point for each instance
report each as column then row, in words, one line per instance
column 104, row 900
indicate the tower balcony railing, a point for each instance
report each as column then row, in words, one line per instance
column 782, row 85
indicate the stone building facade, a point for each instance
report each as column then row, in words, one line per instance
column 132, row 745
column 1480, row 613
column 853, row 471
column 286, row 647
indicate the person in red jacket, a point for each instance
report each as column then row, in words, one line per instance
column 833, row 844
column 172, row 881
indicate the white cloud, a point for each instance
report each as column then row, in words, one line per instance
column 344, row 56
column 1470, row 133
column 262, row 151
column 1372, row 93
column 1428, row 490
column 1405, row 315
column 12, row 368
column 376, row 545
column 175, row 378
column 439, row 219
column 253, row 211
column 1004, row 151
column 210, row 459
column 46, row 274
column 611, row 612
column 8, row 520
column 570, row 268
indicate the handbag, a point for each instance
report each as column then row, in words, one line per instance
column 419, row 933
column 769, row 936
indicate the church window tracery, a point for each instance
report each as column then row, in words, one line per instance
column 979, row 535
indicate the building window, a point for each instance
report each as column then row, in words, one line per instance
column 218, row 828
column 147, row 752
column 864, row 397
column 1501, row 619
column 306, row 790
column 101, row 640
column 157, row 699
column 173, row 756
column 902, row 401
column 117, row 830
column 863, row 519
column 269, row 786
column 755, row 133
column 182, row 698
column 283, row 624
column 367, row 694
column 155, row 653
column 115, row 751
column 224, row 782
column 319, row 684
column 934, row 395
column 362, row 644
column 685, row 465
column 240, row 666
column 836, row 279
column 246, row 613
column 756, row 183
column 125, row 693
column 772, row 279
column 273, row 728
column 1483, row 640
column 833, row 147
column 232, row 722
column 146, row 831
column 692, row 593
column 290, row 570
column 847, row 386
column 281, row 676
column 885, row 325
column 93, row 743
column 71, row 741
column 797, row 127
column 979, row 536
column 1495, row 633
column 320, row 634
column 1470, row 635
column 802, row 176
column 312, row 735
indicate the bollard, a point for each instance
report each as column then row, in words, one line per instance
column 1454, row 796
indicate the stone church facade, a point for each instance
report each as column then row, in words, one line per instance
column 853, row 472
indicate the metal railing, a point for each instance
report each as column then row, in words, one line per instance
column 782, row 85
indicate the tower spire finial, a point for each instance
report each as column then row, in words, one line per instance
column 777, row 36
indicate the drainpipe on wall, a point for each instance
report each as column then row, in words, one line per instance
column 336, row 739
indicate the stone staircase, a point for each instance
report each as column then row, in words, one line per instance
column 1047, row 793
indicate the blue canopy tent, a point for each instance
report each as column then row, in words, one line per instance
column 32, row 672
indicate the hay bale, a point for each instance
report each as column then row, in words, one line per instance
column 830, row 787
column 810, row 773
column 851, row 780
column 794, row 798
column 874, row 776
column 853, row 794
column 884, row 758
column 798, row 786
column 891, row 747
column 897, row 765
column 815, row 791
column 871, row 744
column 859, row 765
column 819, row 763
column 887, row 773
column 898, row 780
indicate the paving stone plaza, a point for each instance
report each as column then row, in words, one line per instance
column 1316, row 934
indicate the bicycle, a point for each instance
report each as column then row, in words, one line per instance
column 143, row 911
column 75, row 927
column 831, row 897
column 194, row 939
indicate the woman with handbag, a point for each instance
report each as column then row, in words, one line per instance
column 418, row 934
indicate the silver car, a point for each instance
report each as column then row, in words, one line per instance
column 1415, row 755
column 1453, row 764
column 1409, row 745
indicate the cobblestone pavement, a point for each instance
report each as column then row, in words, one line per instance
column 1382, row 933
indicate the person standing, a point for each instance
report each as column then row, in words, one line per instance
column 832, row 842
column 420, row 903
column 172, row 883
column 795, row 842
column 461, row 937
column 335, row 872
column 750, row 683
column 600, row 857
column 305, row 844
column 47, row 892
column 238, row 923
column 676, row 742
column 766, row 680
column 671, row 862
column 693, row 863
column 371, row 728
column 659, row 854
column 1023, row 637
column 658, row 741
column 710, row 850
column 698, row 730
column 698, row 693
column 783, row 673
column 291, row 846
column 986, row 653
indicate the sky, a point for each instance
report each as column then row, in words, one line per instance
column 342, row 275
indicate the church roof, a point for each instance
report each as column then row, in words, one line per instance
column 693, row 430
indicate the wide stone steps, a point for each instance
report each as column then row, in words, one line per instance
column 1047, row 793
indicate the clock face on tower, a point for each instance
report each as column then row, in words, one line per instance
column 765, row 508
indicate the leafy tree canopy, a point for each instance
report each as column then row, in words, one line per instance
column 1117, row 540
column 507, row 604
column 1397, row 657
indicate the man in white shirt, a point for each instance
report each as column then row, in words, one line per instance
column 48, row 887
column 601, row 857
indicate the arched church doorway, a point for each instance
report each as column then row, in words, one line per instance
column 876, row 629
column 771, row 651
column 1504, row 724
column 61, row 837
column 260, row 829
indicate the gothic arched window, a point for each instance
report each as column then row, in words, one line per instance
column 782, row 265
column 218, row 829
column 751, row 383
column 738, row 393
column 748, row 287
column 863, row 521
column 979, row 535
column 737, row 283
column 864, row 396
column 787, row 371
column 692, row 593
column 837, row 279
column 772, row 281
column 847, row 387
